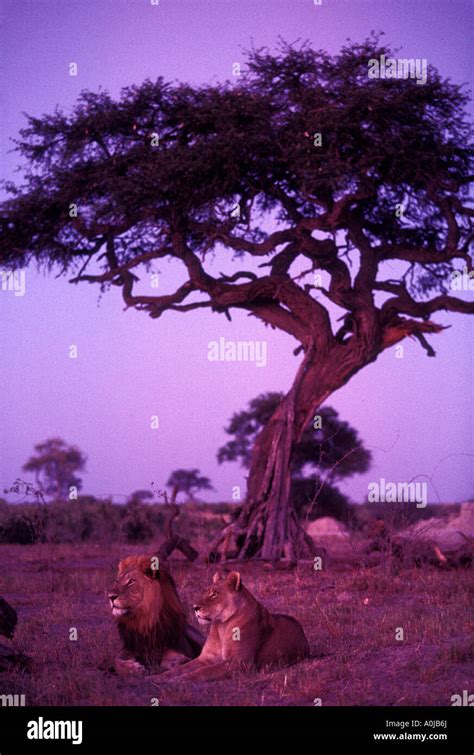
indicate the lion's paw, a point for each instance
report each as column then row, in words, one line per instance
column 129, row 667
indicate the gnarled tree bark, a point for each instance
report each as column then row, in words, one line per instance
column 268, row 527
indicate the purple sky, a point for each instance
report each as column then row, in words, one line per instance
column 415, row 413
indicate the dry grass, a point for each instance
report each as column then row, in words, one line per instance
column 350, row 616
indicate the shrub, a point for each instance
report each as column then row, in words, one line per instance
column 23, row 524
column 137, row 524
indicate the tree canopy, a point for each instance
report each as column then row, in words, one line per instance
column 55, row 465
column 188, row 481
column 159, row 172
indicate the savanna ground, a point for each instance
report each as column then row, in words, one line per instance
column 350, row 615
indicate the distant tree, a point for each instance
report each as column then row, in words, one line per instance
column 329, row 450
column 189, row 481
column 55, row 465
column 141, row 496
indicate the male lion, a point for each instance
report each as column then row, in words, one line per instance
column 242, row 633
column 150, row 618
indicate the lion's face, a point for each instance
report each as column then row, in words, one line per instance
column 137, row 584
column 221, row 600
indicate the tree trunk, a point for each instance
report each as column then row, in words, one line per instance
column 267, row 526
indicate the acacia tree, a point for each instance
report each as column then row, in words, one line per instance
column 55, row 465
column 303, row 139
column 141, row 496
column 188, row 481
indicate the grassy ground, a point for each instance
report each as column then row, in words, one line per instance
column 351, row 616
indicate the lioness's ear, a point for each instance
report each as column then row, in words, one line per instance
column 234, row 580
column 216, row 578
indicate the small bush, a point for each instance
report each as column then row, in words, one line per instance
column 23, row 524
column 137, row 525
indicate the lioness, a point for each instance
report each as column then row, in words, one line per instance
column 150, row 618
column 242, row 633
